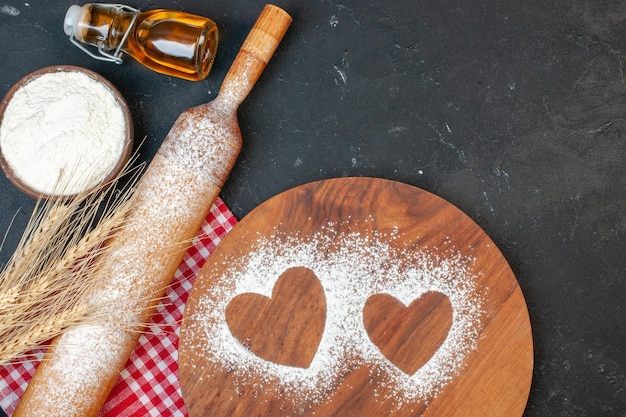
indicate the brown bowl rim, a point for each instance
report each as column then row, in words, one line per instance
column 128, row 121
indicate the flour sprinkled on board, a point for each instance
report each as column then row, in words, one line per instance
column 358, row 267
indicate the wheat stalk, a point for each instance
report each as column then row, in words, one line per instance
column 8, row 297
column 46, row 284
column 45, row 328
column 77, row 256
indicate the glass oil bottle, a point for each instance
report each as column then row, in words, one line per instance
column 167, row 41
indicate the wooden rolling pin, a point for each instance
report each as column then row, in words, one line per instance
column 172, row 199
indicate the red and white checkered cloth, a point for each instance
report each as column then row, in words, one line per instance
column 149, row 385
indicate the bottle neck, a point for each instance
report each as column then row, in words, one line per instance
column 105, row 26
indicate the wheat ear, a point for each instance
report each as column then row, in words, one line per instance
column 45, row 286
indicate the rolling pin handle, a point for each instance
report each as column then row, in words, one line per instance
column 256, row 51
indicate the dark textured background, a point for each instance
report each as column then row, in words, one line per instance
column 512, row 110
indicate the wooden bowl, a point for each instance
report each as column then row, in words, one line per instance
column 11, row 171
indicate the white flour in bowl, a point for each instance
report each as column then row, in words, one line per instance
column 62, row 132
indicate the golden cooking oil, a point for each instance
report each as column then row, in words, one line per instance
column 167, row 41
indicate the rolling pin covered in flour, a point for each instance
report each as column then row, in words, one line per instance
column 171, row 200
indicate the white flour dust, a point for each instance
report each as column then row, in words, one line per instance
column 62, row 132
column 358, row 268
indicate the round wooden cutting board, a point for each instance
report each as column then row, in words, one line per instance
column 356, row 297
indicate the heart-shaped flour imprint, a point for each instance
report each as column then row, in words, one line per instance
column 287, row 328
column 408, row 335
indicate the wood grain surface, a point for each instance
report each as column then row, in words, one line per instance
column 288, row 325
